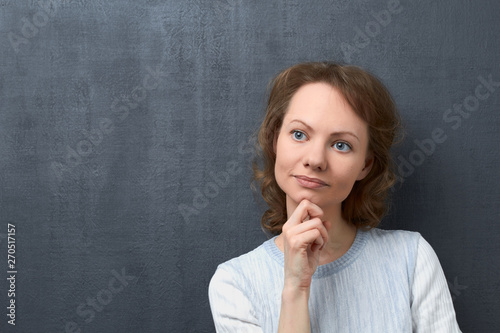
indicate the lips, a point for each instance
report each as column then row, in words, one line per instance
column 310, row 182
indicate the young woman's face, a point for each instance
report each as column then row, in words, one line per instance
column 321, row 148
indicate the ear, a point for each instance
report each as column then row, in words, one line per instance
column 368, row 166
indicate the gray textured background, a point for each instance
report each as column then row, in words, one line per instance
column 125, row 130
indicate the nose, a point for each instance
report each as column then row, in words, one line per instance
column 315, row 157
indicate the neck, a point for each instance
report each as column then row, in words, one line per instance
column 341, row 235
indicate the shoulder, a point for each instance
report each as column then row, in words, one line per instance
column 248, row 268
column 231, row 298
column 394, row 235
column 410, row 242
column 243, row 286
column 249, row 261
column 400, row 241
column 407, row 247
column 394, row 249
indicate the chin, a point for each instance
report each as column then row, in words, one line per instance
column 323, row 200
column 312, row 197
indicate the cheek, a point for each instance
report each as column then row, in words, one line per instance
column 280, row 176
column 277, row 163
column 280, row 166
column 284, row 163
column 342, row 185
column 345, row 176
column 282, row 154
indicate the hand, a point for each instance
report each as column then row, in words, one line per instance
column 304, row 236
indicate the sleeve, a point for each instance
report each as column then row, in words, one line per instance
column 231, row 308
column 431, row 303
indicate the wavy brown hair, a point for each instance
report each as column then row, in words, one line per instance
column 367, row 202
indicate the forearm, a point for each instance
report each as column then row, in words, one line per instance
column 294, row 314
column 303, row 236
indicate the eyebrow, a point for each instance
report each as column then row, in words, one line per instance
column 337, row 133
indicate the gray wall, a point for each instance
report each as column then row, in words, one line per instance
column 125, row 130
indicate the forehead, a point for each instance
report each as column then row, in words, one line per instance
column 323, row 107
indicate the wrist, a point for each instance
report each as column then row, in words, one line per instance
column 292, row 293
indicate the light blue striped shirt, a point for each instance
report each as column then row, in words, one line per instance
column 388, row 281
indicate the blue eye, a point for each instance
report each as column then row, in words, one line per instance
column 341, row 146
column 298, row 135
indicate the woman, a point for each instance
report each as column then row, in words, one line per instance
column 325, row 143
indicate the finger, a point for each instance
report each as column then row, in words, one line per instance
column 307, row 238
column 315, row 223
column 295, row 237
column 304, row 210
